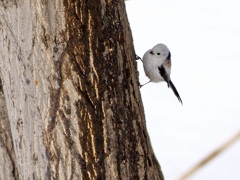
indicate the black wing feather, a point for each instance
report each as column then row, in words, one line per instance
column 163, row 73
column 166, row 77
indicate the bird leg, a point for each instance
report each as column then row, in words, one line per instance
column 144, row 84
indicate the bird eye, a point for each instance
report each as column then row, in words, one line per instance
column 158, row 53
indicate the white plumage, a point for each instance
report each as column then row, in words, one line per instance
column 153, row 59
column 157, row 66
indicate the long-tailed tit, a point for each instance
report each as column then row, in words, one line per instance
column 157, row 66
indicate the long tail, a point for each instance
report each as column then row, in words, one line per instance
column 175, row 90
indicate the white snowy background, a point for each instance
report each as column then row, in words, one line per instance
column 204, row 39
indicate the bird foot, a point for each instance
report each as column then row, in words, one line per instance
column 137, row 57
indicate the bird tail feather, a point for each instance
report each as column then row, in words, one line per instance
column 175, row 90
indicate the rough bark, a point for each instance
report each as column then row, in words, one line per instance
column 7, row 156
column 71, row 87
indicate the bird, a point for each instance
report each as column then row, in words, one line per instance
column 157, row 66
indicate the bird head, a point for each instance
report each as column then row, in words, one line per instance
column 161, row 51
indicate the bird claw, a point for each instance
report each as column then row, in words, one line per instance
column 137, row 57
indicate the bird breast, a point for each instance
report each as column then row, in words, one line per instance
column 151, row 69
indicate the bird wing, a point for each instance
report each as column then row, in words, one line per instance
column 164, row 74
column 166, row 77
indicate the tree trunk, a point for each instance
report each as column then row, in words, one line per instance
column 71, row 87
column 7, row 156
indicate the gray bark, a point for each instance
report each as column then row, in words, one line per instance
column 7, row 155
column 71, row 89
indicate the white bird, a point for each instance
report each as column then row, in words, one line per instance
column 157, row 66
